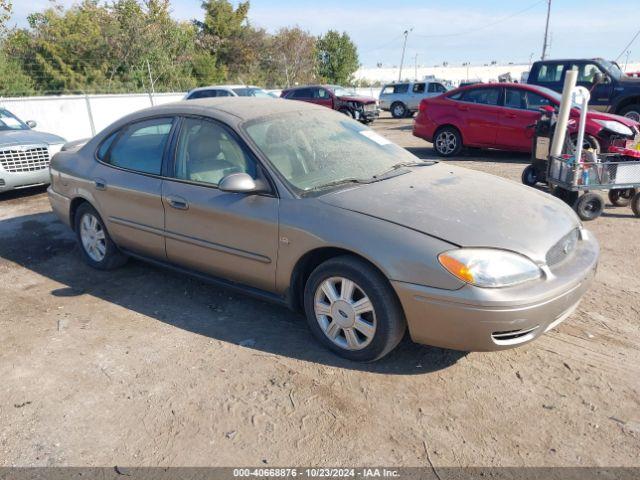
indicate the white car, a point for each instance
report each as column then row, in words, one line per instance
column 402, row 99
column 227, row 91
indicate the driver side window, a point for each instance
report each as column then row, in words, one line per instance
column 206, row 152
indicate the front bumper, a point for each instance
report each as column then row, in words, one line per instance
column 476, row 319
column 14, row 180
column 367, row 115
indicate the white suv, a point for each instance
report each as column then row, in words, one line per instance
column 227, row 91
column 403, row 99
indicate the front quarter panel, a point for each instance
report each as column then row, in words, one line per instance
column 400, row 253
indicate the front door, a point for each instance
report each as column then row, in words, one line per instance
column 127, row 186
column 520, row 111
column 230, row 235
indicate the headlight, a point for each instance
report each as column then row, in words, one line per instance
column 55, row 148
column 616, row 127
column 489, row 268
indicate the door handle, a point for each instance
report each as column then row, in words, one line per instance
column 511, row 115
column 463, row 108
column 100, row 184
column 178, row 202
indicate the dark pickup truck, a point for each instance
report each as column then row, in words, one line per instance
column 612, row 90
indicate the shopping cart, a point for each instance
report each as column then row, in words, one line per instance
column 613, row 172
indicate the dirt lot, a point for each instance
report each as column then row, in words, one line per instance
column 146, row 367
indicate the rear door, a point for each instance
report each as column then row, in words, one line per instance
column 229, row 235
column 127, row 185
column 521, row 109
column 418, row 91
column 550, row 75
column 478, row 110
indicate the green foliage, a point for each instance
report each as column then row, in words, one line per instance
column 135, row 45
column 337, row 58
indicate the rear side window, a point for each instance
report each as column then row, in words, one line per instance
column 484, row 96
column 203, row 94
column 301, row 93
column 419, row 88
column 401, row 88
column 141, row 146
column 550, row 73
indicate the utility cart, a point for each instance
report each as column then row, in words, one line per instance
column 612, row 172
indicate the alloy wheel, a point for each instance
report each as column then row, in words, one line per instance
column 446, row 142
column 633, row 115
column 93, row 237
column 345, row 313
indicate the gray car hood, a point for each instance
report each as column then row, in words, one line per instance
column 28, row 137
column 464, row 207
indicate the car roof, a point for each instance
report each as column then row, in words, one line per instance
column 232, row 110
column 212, row 87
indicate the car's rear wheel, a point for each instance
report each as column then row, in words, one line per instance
column 632, row 112
column 97, row 248
column 398, row 110
column 589, row 206
column 621, row 197
column 447, row 142
column 352, row 309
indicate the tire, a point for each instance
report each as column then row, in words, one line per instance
column 381, row 327
column 635, row 204
column 621, row 197
column 447, row 142
column 631, row 111
column 589, row 206
column 530, row 176
column 106, row 257
column 398, row 110
column 589, row 141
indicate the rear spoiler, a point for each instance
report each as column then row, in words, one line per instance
column 75, row 145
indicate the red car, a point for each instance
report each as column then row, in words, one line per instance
column 363, row 109
column 499, row 116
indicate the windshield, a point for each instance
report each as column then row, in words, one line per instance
column 314, row 149
column 251, row 92
column 612, row 69
column 8, row 121
column 340, row 91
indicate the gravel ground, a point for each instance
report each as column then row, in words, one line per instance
column 142, row 367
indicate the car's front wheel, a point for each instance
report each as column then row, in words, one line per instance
column 97, row 248
column 632, row 112
column 447, row 142
column 352, row 309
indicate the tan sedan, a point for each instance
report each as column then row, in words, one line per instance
column 301, row 205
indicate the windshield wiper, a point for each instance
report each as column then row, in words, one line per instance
column 336, row 183
column 397, row 166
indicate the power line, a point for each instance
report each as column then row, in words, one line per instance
column 484, row 27
column 628, row 45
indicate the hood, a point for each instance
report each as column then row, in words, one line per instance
column 28, row 137
column 633, row 82
column 595, row 115
column 464, row 207
column 357, row 98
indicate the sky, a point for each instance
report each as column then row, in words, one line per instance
column 474, row 31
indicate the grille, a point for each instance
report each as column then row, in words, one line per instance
column 24, row 159
column 563, row 249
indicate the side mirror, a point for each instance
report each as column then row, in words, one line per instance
column 240, row 183
column 598, row 78
column 31, row 124
column 549, row 109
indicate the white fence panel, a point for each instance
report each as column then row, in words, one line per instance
column 77, row 116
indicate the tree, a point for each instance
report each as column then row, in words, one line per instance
column 292, row 56
column 337, row 57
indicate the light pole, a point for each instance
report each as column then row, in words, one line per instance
column 546, row 31
column 404, row 46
